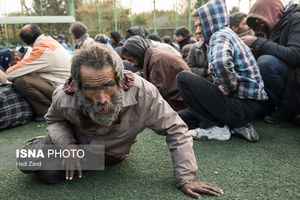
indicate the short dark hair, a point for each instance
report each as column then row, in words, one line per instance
column 154, row 37
column 78, row 29
column 183, row 31
column 236, row 18
column 96, row 56
column 29, row 33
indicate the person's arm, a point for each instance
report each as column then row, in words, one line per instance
column 59, row 128
column 60, row 131
column 221, row 64
column 36, row 62
column 289, row 53
column 165, row 121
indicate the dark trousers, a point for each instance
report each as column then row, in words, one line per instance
column 275, row 74
column 209, row 107
column 55, row 176
column 36, row 91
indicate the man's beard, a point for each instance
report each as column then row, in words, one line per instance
column 92, row 110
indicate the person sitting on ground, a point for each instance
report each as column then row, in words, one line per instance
column 142, row 32
column 238, row 24
column 183, row 37
column 80, row 35
column 158, row 67
column 115, row 39
column 47, row 67
column 104, row 39
column 197, row 58
column 154, row 37
column 185, row 52
column 278, row 55
column 110, row 106
column 136, row 30
column 5, row 59
column 236, row 97
column 167, row 39
column 61, row 39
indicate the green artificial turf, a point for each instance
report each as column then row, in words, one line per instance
column 268, row 169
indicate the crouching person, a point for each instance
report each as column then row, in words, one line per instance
column 237, row 95
column 110, row 106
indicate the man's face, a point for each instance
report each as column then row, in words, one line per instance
column 133, row 62
column 197, row 24
column 99, row 97
column 112, row 40
column 260, row 27
column 243, row 27
column 178, row 38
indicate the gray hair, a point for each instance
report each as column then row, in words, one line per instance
column 96, row 56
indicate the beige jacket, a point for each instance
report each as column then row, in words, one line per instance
column 48, row 60
column 143, row 107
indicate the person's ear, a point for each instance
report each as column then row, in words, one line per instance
column 74, row 38
column 234, row 28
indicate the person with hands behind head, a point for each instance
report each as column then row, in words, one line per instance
column 110, row 106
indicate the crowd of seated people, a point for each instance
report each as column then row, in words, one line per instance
column 35, row 77
column 213, row 85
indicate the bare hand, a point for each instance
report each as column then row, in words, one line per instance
column 195, row 188
column 222, row 90
column 71, row 164
column 249, row 40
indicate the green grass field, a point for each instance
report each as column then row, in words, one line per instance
column 268, row 169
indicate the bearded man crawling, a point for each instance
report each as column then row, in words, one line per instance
column 103, row 104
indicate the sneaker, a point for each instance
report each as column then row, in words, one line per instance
column 213, row 133
column 247, row 132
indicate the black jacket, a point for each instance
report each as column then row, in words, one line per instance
column 184, row 42
column 284, row 43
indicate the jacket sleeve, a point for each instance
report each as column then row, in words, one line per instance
column 59, row 129
column 36, row 62
column 156, row 77
column 290, row 53
column 165, row 121
column 196, row 60
column 221, row 63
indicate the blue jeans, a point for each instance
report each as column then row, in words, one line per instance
column 274, row 73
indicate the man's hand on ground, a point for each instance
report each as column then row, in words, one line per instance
column 71, row 164
column 195, row 188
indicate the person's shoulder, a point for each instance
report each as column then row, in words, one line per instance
column 62, row 99
column 141, row 85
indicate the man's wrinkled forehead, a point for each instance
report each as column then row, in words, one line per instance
column 97, row 77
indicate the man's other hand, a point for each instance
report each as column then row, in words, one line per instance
column 195, row 188
column 71, row 164
column 249, row 40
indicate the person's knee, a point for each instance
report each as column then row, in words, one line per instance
column 182, row 77
column 19, row 81
column 267, row 63
column 50, row 176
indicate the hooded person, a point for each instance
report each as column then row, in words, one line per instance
column 236, row 97
column 115, row 39
column 278, row 54
column 158, row 67
column 143, row 33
